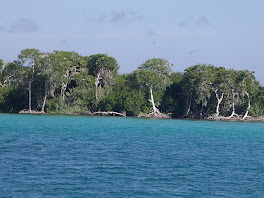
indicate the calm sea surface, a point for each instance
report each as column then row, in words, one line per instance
column 75, row 156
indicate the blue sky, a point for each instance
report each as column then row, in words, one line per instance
column 225, row 33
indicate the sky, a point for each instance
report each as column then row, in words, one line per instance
column 226, row 33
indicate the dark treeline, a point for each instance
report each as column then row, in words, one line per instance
column 65, row 82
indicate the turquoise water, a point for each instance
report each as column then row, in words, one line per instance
column 75, row 156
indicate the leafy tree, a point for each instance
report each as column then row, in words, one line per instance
column 173, row 101
column 13, row 74
column 152, row 75
column 115, row 99
column 13, row 92
column 12, row 99
column 80, row 95
column 68, row 76
column 158, row 65
column 232, row 90
column 220, row 87
column 197, row 88
column 257, row 107
column 48, row 75
column 63, row 63
column 68, row 83
column 238, row 85
column 135, row 103
column 104, row 69
column 123, row 97
column 249, row 88
column 29, row 59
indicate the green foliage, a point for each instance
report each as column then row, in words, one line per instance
column 81, row 93
column 155, row 74
column 104, row 69
column 202, row 83
column 135, row 103
column 1, row 64
column 55, row 105
column 257, row 108
column 173, row 100
column 125, row 97
column 12, row 99
column 158, row 65
column 72, row 84
column 97, row 62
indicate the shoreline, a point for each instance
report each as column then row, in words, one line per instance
column 116, row 114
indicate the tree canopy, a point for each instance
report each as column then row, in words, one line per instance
column 67, row 83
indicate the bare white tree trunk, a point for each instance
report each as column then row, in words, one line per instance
column 64, row 86
column 45, row 99
column 97, row 82
column 29, row 94
column 155, row 109
column 248, row 107
column 63, row 89
column 29, row 89
column 188, row 107
column 233, row 106
column 219, row 100
column 44, row 103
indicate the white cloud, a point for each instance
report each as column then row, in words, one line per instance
column 118, row 17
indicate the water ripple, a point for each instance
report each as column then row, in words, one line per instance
column 126, row 157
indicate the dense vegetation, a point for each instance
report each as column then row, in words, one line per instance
column 67, row 83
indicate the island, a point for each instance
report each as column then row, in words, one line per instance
column 63, row 82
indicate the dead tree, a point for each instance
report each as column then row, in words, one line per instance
column 233, row 105
column 103, row 78
column 219, row 100
column 248, row 107
column 154, row 108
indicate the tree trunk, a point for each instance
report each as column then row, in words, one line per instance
column 155, row 109
column 233, row 106
column 63, row 89
column 96, row 97
column 29, row 89
column 45, row 98
column 219, row 100
column 97, row 81
column 29, row 94
column 64, row 86
column 248, row 107
column 188, row 107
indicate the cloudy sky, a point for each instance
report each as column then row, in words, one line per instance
column 225, row 33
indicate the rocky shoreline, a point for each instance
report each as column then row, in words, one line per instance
column 237, row 118
column 151, row 115
column 25, row 111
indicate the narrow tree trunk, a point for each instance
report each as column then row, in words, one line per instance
column 29, row 88
column 45, row 98
column 63, row 89
column 64, row 86
column 44, row 103
column 155, row 109
column 97, row 81
column 233, row 110
column 96, row 97
column 219, row 100
column 233, row 106
column 188, row 106
column 29, row 94
column 248, row 107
